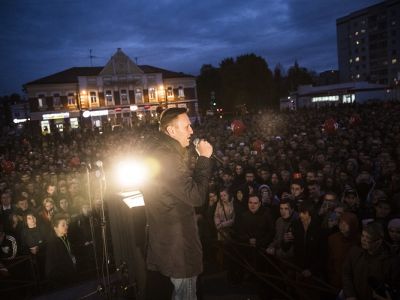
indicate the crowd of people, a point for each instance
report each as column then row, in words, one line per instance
column 287, row 186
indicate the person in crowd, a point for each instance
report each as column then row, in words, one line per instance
column 339, row 245
column 47, row 212
column 6, row 210
column 315, row 196
column 297, row 191
column 224, row 216
column 33, row 242
column 174, row 248
column 370, row 268
column 283, row 229
column 393, row 228
column 309, row 246
column 60, row 263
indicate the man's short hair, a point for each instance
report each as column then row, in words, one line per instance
column 58, row 218
column 375, row 230
column 287, row 201
column 168, row 115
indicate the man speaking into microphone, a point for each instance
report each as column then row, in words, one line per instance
column 174, row 248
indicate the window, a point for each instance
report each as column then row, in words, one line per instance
column 394, row 60
column 181, row 93
column 109, row 96
column 124, row 96
column 357, row 58
column 138, row 96
column 71, row 99
column 152, row 93
column 349, row 98
column 170, row 92
column 93, row 97
column 325, row 98
column 41, row 101
column 56, row 100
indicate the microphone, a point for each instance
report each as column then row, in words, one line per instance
column 196, row 142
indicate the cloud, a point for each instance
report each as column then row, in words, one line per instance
column 41, row 37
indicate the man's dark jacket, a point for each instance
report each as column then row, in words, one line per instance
column 174, row 247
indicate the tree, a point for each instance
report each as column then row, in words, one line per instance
column 298, row 76
column 208, row 86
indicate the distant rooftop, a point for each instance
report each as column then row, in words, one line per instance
column 71, row 75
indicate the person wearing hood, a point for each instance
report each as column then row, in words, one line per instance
column 339, row 245
column 268, row 200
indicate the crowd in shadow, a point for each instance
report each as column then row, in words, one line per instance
column 312, row 194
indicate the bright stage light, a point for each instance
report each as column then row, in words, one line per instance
column 132, row 173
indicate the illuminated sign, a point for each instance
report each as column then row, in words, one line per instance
column 95, row 113
column 56, row 116
column 16, row 121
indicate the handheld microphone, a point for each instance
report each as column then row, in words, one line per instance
column 196, row 142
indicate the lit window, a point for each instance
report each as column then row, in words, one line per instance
column 349, row 98
column 356, row 33
column 41, row 101
column 357, row 58
column 358, row 42
column 109, row 96
column 363, row 30
column 325, row 98
column 138, row 96
column 93, row 97
column 152, row 93
column 358, row 75
column 170, row 92
column 71, row 99
column 181, row 93
column 394, row 60
column 124, row 97
column 351, row 60
column 56, row 100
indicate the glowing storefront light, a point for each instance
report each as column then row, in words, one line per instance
column 16, row 121
column 54, row 116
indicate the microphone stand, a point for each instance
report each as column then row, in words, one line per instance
column 106, row 279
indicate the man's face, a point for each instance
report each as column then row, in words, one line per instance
column 285, row 210
column 254, row 204
column 296, row 190
column 5, row 199
column 314, row 190
column 62, row 228
column 305, row 217
column 394, row 234
column 181, row 130
column 249, row 177
column 23, row 204
column 368, row 243
column 382, row 209
column 212, row 197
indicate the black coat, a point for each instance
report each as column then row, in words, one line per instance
column 174, row 247
column 60, row 267
column 308, row 247
column 259, row 226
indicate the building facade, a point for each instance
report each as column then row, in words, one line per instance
column 335, row 94
column 120, row 93
column 368, row 42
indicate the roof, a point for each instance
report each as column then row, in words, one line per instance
column 71, row 75
column 304, row 90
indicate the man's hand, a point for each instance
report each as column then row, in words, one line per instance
column 34, row 250
column 204, row 148
column 271, row 251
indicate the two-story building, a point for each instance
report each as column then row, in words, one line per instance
column 121, row 92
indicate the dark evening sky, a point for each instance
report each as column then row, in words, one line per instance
column 41, row 37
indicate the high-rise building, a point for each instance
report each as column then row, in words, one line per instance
column 369, row 44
